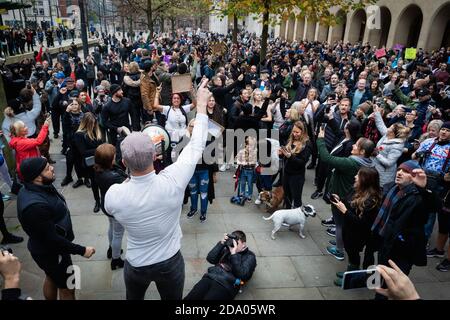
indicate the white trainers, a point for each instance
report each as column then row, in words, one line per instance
column 223, row 168
column 258, row 201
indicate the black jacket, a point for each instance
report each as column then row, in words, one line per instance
column 295, row 165
column 357, row 225
column 404, row 234
column 83, row 146
column 241, row 266
column 45, row 217
column 105, row 179
column 71, row 122
column 116, row 114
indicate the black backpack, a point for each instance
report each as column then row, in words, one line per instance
column 182, row 111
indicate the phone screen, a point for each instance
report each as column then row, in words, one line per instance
column 358, row 279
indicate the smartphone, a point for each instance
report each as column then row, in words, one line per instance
column 360, row 279
column 334, row 198
column 323, row 126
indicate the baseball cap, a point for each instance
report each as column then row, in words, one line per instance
column 60, row 75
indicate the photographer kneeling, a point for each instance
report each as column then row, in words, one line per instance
column 233, row 263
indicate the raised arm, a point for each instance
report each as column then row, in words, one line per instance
column 182, row 170
column 380, row 123
column 156, row 105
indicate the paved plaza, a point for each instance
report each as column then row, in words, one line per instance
column 288, row 268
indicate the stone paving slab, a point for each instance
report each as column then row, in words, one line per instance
column 287, row 294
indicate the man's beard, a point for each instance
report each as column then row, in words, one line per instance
column 48, row 181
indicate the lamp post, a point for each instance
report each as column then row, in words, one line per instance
column 84, row 38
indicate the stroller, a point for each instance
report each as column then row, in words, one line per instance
column 237, row 199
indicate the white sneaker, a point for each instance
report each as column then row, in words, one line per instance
column 258, row 201
column 223, row 168
column 228, row 166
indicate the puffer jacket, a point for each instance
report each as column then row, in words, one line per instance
column 27, row 147
column 241, row 266
column 389, row 151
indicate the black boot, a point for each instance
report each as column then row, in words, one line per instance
column 78, row 183
column 109, row 253
column 117, row 263
column 10, row 238
column 66, row 181
column 97, row 207
column 87, row 182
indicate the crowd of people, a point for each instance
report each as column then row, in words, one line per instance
column 376, row 132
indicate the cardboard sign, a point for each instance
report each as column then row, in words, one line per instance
column 398, row 46
column 181, row 83
column 410, row 53
column 214, row 128
column 380, row 53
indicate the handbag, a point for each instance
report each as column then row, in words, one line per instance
column 89, row 161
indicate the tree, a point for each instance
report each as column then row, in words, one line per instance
column 151, row 8
column 270, row 12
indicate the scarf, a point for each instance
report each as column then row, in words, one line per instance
column 393, row 196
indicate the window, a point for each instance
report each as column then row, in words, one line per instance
column 35, row 11
column 40, row 3
column 41, row 12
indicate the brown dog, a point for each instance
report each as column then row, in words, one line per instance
column 272, row 199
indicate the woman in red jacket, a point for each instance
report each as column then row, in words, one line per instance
column 26, row 147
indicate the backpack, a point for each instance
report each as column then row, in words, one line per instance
column 182, row 111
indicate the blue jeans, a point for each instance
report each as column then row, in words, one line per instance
column 246, row 179
column 199, row 183
column 429, row 226
column 115, row 235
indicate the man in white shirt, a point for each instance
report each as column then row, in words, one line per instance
column 149, row 208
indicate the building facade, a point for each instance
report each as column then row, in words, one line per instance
column 411, row 23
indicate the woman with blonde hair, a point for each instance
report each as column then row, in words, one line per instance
column 389, row 148
column 311, row 103
column 87, row 138
column 26, row 147
column 285, row 129
column 295, row 154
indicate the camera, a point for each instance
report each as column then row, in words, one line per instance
column 2, row 249
column 229, row 242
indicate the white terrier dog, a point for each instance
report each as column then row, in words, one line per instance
column 289, row 217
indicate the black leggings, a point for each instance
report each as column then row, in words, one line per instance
column 322, row 172
column 94, row 185
column 3, row 229
column 208, row 289
column 71, row 162
column 293, row 189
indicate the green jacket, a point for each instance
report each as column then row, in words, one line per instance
column 345, row 170
column 404, row 99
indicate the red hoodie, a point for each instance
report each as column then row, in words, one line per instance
column 27, row 147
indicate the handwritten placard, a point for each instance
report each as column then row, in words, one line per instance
column 181, row 83
column 410, row 53
column 380, row 53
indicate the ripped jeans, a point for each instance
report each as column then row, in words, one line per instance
column 199, row 184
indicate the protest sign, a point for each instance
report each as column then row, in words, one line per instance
column 181, row 83
column 410, row 53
